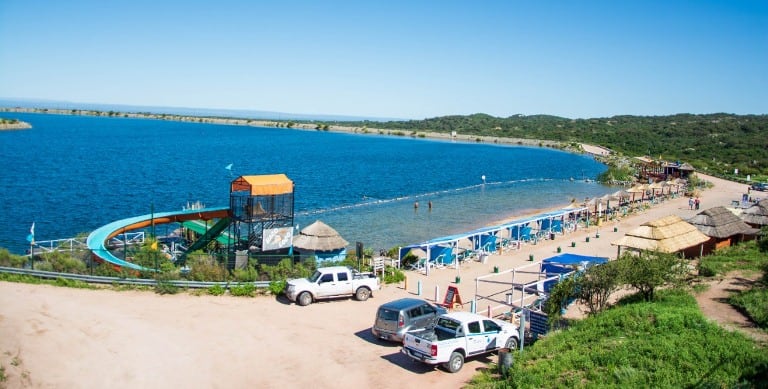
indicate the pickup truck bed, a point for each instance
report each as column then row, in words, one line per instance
column 459, row 335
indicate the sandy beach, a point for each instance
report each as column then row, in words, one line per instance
column 53, row 337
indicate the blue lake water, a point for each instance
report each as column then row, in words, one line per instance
column 72, row 174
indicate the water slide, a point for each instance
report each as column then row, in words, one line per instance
column 98, row 239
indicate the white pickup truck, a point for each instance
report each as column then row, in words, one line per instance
column 459, row 335
column 328, row 282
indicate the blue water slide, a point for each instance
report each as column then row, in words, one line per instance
column 98, row 238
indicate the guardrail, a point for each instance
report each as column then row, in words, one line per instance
column 125, row 281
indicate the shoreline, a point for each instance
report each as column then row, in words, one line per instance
column 309, row 126
column 68, row 337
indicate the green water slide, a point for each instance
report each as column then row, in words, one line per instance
column 208, row 234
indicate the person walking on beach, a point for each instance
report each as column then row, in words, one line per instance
column 690, row 203
column 696, row 203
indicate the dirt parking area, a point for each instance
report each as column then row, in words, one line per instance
column 54, row 337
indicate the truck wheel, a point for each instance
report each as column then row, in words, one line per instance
column 455, row 363
column 511, row 343
column 305, row 298
column 362, row 293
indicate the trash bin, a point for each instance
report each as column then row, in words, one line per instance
column 484, row 258
column 551, row 236
column 505, row 361
column 458, row 279
column 587, row 239
column 573, row 244
column 559, row 250
column 530, row 257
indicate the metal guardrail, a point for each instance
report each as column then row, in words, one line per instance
column 125, row 281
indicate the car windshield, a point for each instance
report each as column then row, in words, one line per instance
column 315, row 276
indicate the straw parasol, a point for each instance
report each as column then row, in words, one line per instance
column 654, row 186
column 721, row 223
column 319, row 237
column 669, row 234
column 637, row 189
column 756, row 215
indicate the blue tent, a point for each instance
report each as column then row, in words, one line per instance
column 566, row 263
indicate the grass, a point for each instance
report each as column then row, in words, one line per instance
column 744, row 257
column 754, row 303
column 665, row 343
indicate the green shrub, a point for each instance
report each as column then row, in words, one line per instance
column 216, row 290
column 203, row 267
column 11, row 260
column 277, row 287
column 73, row 283
column 63, row 263
column 393, row 275
column 249, row 274
column 245, row 289
column 163, row 284
column 165, row 287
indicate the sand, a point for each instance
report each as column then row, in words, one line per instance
column 52, row 337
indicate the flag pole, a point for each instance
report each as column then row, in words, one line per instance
column 31, row 239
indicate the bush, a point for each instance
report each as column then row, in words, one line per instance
column 165, row 287
column 203, row 267
column 277, row 287
column 249, row 274
column 245, row 289
column 11, row 260
column 163, row 284
column 61, row 262
column 216, row 290
column 393, row 275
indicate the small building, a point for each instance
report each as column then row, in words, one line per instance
column 320, row 241
column 756, row 215
column 670, row 234
column 722, row 227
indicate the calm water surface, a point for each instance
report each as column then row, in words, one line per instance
column 72, row 174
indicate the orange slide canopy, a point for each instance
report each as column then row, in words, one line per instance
column 268, row 184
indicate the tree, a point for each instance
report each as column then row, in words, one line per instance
column 597, row 285
column 559, row 297
column 650, row 270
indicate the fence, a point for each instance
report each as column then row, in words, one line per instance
column 124, row 281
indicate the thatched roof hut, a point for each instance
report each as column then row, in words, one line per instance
column 756, row 215
column 721, row 223
column 670, row 234
column 318, row 236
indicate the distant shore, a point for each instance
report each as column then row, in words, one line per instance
column 304, row 125
column 12, row 124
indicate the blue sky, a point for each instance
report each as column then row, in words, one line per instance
column 394, row 59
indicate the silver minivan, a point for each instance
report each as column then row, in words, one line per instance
column 395, row 318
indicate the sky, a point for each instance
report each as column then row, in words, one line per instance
column 392, row 59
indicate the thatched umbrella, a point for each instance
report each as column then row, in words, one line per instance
column 756, row 215
column 635, row 190
column 720, row 223
column 669, row 234
column 319, row 237
column 654, row 186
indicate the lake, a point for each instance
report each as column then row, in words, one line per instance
column 72, row 174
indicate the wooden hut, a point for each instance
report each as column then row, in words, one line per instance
column 722, row 227
column 756, row 215
column 670, row 234
column 320, row 241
